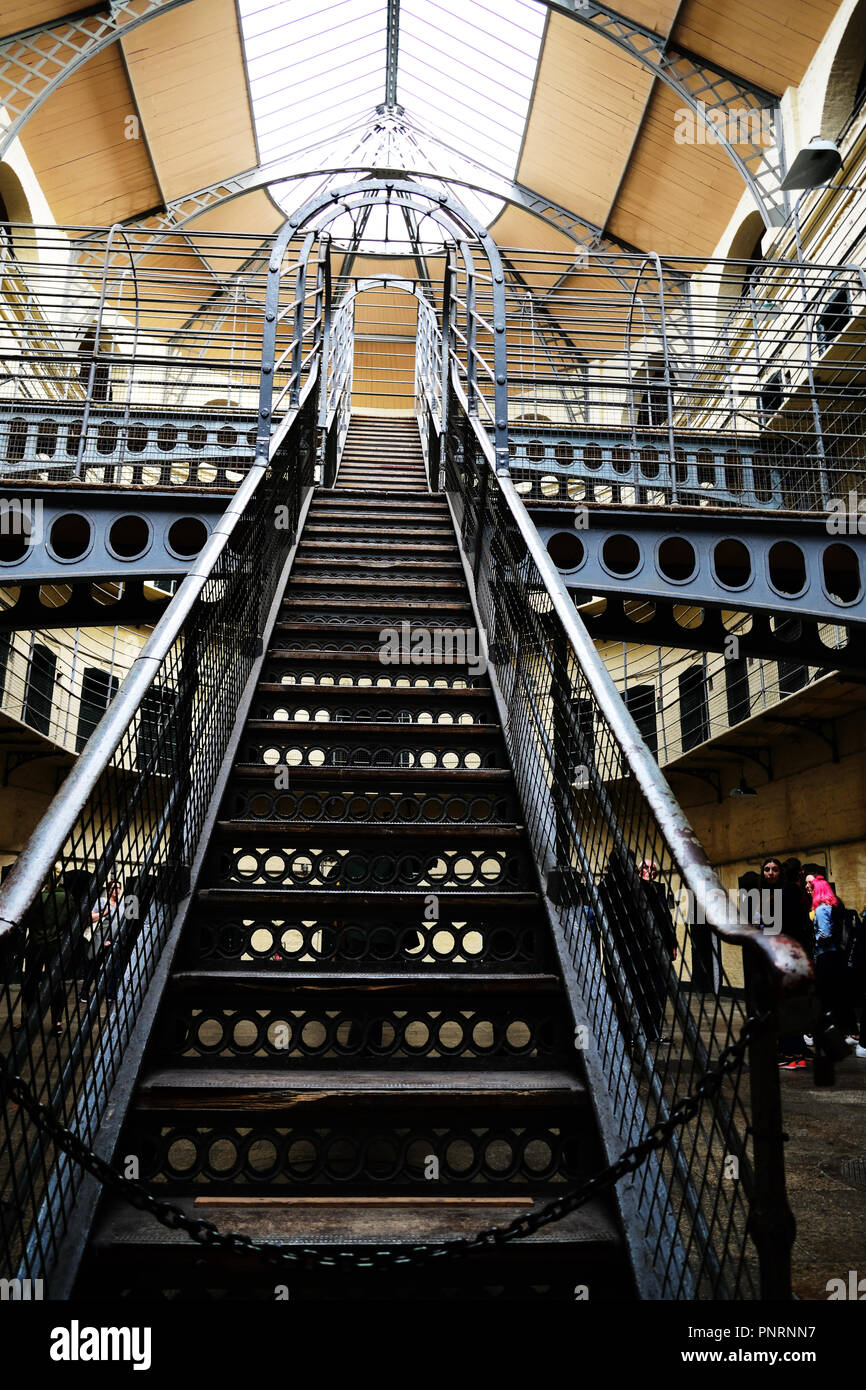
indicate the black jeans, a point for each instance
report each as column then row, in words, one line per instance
column 38, row 958
column 830, row 984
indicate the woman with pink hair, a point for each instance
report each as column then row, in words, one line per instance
column 826, row 917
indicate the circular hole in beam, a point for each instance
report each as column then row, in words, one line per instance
column 186, row 536
column 732, row 564
column 129, row 536
column 621, row 554
column 787, row 568
column 841, row 573
column 676, row 559
column 70, row 536
column 565, row 550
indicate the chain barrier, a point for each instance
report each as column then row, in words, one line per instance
column 205, row 1233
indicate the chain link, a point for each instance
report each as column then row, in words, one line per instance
column 136, row 1193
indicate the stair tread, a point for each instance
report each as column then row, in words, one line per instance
column 121, row 1225
column 378, row 982
column 372, row 1083
column 383, row 726
column 373, row 829
column 363, row 549
column 354, row 898
column 412, row 692
column 312, row 582
column 368, row 775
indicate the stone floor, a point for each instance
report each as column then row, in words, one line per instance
column 826, row 1127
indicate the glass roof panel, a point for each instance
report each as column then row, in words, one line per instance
column 317, row 74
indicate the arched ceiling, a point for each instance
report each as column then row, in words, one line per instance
column 564, row 106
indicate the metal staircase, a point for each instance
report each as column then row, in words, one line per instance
column 365, row 1024
column 406, row 883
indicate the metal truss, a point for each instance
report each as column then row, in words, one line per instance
column 718, row 98
column 34, row 62
column 181, row 211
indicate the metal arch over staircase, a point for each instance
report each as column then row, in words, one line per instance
column 455, row 222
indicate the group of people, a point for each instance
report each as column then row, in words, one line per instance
column 798, row 901
column 62, row 940
column 834, row 937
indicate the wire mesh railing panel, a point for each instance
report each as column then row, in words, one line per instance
column 659, row 964
column 81, row 942
column 735, row 383
column 131, row 357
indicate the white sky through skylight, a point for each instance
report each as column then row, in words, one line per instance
column 317, row 74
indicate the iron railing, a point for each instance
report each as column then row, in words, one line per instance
column 646, row 381
column 133, row 810
column 131, row 357
column 662, row 968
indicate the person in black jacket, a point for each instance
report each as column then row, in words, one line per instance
column 642, row 936
column 47, row 943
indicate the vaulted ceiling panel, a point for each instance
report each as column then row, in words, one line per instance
column 16, row 15
column 587, row 107
column 770, row 44
column 77, row 142
column 674, row 198
column 188, row 75
column 653, row 14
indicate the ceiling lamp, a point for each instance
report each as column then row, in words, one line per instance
column 814, row 165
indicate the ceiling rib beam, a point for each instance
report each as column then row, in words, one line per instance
column 180, row 211
column 36, row 61
column 392, row 52
column 727, row 104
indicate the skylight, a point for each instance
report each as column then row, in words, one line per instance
column 465, row 73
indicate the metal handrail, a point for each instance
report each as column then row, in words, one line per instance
column 792, row 971
column 542, row 661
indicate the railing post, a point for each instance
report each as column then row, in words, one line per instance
column 471, row 333
column 323, row 335
column 771, row 1222
column 91, row 377
column 448, row 311
column 298, row 320
column 500, row 356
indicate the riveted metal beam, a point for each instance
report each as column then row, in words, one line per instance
column 34, row 62
column 725, row 103
column 105, row 534
column 392, row 52
column 655, row 553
